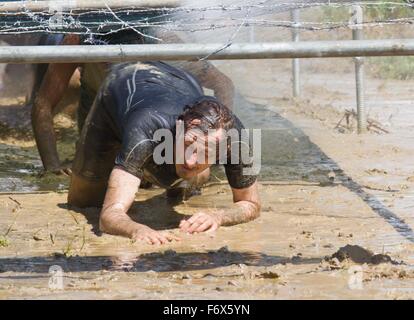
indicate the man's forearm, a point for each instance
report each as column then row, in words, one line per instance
column 241, row 212
column 120, row 195
column 115, row 221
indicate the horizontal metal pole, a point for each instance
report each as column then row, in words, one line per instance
column 65, row 5
column 276, row 50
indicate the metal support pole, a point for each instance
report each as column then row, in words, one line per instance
column 295, row 62
column 357, row 19
column 252, row 34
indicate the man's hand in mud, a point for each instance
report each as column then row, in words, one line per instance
column 200, row 222
column 150, row 236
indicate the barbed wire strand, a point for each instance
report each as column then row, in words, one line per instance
column 188, row 19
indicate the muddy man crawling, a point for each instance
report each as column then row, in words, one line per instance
column 118, row 149
column 55, row 82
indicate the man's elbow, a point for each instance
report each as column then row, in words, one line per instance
column 104, row 222
column 110, row 217
column 257, row 210
column 252, row 210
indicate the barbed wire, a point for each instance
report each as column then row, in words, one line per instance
column 257, row 5
column 143, row 21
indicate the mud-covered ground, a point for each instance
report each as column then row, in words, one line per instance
column 322, row 188
column 281, row 255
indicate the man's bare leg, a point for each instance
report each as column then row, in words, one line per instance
column 51, row 91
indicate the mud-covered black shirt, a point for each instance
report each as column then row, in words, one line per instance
column 135, row 101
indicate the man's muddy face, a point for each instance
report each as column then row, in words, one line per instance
column 196, row 153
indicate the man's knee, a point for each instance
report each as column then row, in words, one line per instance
column 203, row 177
column 85, row 193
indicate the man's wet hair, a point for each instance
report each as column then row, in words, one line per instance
column 211, row 113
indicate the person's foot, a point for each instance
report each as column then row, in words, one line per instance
column 60, row 171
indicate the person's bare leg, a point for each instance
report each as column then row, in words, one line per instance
column 51, row 90
column 85, row 193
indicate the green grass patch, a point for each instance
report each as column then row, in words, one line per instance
column 382, row 11
column 386, row 11
column 401, row 68
column 4, row 242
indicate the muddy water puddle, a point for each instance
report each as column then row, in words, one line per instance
column 21, row 171
column 15, row 164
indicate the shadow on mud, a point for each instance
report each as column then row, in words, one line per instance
column 167, row 261
column 156, row 212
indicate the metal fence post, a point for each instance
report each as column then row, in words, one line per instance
column 295, row 62
column 252, row 34
column 357, row 20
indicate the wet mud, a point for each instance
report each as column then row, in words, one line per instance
column 357, row 254
column 281, row 255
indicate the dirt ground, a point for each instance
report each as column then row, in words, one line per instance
column 322, row 189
